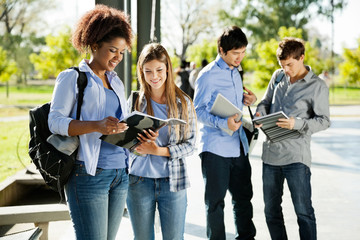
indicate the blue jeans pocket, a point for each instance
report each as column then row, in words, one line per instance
column 80, row 170
column 133, row 180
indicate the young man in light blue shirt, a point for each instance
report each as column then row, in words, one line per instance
column 225, row 162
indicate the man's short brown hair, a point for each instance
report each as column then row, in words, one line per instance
column 290, row 47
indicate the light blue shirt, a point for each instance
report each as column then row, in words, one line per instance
column 152, row 166
column 64, row 104
column 111, row 155
column 180, row 147
column 217, row 77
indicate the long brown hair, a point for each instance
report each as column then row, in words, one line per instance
column 155, row 51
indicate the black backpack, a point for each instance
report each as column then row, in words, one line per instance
column 54, row 166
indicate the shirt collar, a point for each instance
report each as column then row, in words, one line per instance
column 221, row 63
column 84, row 67
column 309, row 75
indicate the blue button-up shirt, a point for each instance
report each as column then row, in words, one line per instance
column 218, row 77
column 64, row 105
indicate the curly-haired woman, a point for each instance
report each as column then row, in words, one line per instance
column 98, row 185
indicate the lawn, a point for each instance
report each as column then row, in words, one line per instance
column 14, row 139
column 21, row 99
column 14, row 136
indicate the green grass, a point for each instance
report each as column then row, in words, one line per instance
column 14, row 136
column 21, row 99
column 344, row 96
column 26, row 95
column 14, row 139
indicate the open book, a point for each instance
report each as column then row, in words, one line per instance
column 271, row 130
column 137, row 122
column 222, row 107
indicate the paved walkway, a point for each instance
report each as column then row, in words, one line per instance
column 335, row 181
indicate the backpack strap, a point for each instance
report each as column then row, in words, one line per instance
column 81, row 83
column 135, row 95
column 279, row 77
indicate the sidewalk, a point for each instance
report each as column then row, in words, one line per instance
column 335, row 188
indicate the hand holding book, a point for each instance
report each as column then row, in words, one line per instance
column 287, row 123
column 276, row 126
column 137, row 123
column 222, row 107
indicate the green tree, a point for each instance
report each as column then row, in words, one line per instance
column 20, row 20
column 20, row 54
column 263, row 18
column 7, row 69
column 58, row 55
column 350, row 68
column 206, row 50
column 266, row 62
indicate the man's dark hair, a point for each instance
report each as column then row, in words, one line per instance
column 232, row 38
column 290, row 47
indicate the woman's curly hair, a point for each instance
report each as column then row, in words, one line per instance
column 102, row 24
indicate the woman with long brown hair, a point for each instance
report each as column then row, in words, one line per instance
column 158, row 175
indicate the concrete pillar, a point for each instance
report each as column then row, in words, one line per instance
column 144, row 11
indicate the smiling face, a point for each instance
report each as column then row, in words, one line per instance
column 233, row 57
column 155, row 74
column 108, row 55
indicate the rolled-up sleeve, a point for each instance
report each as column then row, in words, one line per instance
column 185, row 147
column 62, row 102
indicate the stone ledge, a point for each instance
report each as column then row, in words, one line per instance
column 33, row 213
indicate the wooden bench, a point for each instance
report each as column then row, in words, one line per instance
column 40, row 215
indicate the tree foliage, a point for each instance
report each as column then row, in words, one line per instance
column 205, row 50
column 7, row 66
column 266, row 62
column 20, row 21
column 263, row 18
column 58, row 55
column 350, row 68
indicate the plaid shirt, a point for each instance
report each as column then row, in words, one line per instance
column 179, row 149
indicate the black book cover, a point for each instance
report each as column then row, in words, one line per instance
column 137, row 122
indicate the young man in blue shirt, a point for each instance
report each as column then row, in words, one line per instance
column 225, row 162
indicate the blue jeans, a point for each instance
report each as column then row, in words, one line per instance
column 144, row 194
column 96, row 202
column 221, row 174
column 297, row 176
